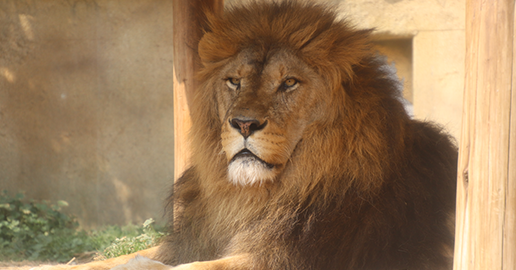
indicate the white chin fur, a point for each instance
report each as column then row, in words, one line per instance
column 248, row 171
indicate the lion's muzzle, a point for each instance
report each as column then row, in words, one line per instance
column 245, row 166
column 248, row 155
column 247, row 127
column 255, row 147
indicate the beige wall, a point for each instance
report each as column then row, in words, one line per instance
column 86, row 105
column 437, row 31
column 86, row 93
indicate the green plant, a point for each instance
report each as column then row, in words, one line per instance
column 32, row 230
column 147, row 237
column 37, row 230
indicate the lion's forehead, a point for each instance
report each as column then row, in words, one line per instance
column 266, row 65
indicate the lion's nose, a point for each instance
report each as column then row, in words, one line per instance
column 247, row 127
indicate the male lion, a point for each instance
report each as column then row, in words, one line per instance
column 303, row 155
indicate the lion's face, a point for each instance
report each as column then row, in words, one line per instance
column 271, row 79
column 266, row 100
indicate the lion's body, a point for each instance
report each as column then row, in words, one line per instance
column 335, row 174
column 303, row 156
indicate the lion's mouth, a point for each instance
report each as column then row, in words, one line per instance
column 249, row 156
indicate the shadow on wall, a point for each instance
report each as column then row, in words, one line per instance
column 86, row 105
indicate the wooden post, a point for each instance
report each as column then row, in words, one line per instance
column 486, row 195
column 187, row 19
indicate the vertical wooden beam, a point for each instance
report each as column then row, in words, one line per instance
column 187, row 20
column 486, row 195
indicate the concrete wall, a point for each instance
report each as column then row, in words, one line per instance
column 86, row 93
column 437, row 31
column 86, row 105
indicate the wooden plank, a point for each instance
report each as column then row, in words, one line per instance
column 486, row 180
column 187, row 19
column 509, row 255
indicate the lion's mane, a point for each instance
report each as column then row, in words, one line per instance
column 368, row 188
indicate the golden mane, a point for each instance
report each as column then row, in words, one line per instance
column 357, row 181
column 358, row 130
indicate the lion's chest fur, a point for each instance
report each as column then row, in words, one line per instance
column 322, row 218
column 235, row 217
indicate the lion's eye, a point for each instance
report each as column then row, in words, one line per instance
column 233, row 83
column 289, row 84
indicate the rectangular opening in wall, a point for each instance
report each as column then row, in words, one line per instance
column 399, row 54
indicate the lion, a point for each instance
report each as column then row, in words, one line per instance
column 303, row 156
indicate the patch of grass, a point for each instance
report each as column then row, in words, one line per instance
column 147, row 237
column 39, row 231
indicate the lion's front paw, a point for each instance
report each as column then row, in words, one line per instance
column 187, row 266
column 45, row 267
column 140, row 262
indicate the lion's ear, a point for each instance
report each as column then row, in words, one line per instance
column 219, row 39
column 339, row 46
column 212, row 48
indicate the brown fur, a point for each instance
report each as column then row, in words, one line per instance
column 354, row 183
column 358, row 184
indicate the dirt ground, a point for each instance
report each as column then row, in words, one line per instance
column 85, row 257
column 23, row 265
column 27, row 265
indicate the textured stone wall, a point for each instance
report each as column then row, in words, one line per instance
column 86, row 105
